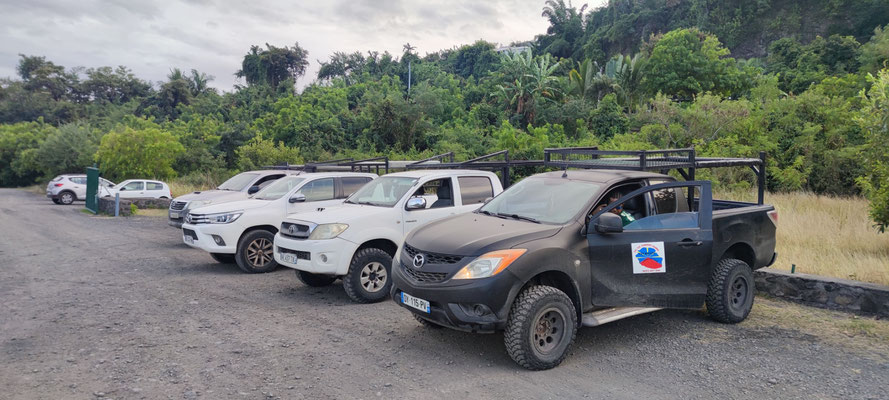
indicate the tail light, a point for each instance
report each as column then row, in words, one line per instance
column 773, row 215
column 59, row 184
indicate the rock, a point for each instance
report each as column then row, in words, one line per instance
column 772, row 381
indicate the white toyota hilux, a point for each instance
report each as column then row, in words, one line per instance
column 358, row 240
column 243, row 231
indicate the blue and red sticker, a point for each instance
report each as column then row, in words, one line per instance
column 649, row 258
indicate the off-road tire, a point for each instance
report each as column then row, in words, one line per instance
column 425, row 322
column 254, row 248
column 730, row 291
column 56, row 201
column 67, row 197
column 314, row 280
column 363, row 261
column 533, row 348
column 223, row 258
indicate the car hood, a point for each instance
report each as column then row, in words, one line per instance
column 474, row 234
column 239, row 205
column 345, row 213
column 214, row 196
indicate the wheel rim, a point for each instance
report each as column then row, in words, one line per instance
column 549, row 330
column 259, row 252
column 66, row 198
column 373, row 277
column 738, row 293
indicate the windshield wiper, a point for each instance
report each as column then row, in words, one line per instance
column 520, row 217
column 490, row 213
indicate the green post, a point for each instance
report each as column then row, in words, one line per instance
column 92, row 189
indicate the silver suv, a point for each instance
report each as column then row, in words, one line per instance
column 65, row 189
column 235, row 188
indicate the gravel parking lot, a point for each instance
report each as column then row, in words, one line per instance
column 98, row 307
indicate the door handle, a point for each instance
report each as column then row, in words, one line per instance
column 689, row 242
column 410, row 220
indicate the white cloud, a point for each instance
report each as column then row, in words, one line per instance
column 151, row 37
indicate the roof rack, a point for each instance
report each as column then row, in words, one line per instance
column 375, row 164
column 684, row 161
column 484, row 163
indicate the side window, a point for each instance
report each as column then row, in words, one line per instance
column 154, row 186
column 137, row 185
column 475, row 189
column 79, row 181
column 266, row 180
column 321, row 189
column 351, row 184
column 438, row 193
column 672, row 212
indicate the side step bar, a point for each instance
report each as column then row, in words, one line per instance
column 601, row 317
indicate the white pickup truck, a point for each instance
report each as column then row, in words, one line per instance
column 243, row 231
column 358, row 240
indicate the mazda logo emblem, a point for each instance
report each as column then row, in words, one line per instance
column 419, row 260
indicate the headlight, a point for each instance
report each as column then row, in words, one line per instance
column 223, row 218
column 197, row 203
column 489, row 264
column 327, row 231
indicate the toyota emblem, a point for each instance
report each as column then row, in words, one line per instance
column 188, row 218
column 292, row 229
column 419, row 260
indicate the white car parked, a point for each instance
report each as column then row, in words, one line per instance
column 243, row 231
column 141, row 188
column 358, row 240
column 65, row 189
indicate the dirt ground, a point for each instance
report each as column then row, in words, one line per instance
column 98, row 307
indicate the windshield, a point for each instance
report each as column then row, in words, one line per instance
column 238, row 182
column 384, row 192
column 547, row 200
column 278, row 188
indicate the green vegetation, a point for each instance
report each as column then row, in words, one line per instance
column 805, row 82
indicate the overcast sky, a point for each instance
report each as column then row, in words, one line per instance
column 151, row 37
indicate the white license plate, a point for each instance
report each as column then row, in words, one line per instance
column 289, row 258
column 189, row 239
column 415, row 302
column 174, row 215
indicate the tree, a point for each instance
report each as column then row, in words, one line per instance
column 273, row 65
column 875, row 53
column 261, row 152
column 117, row 86
column 70, row 148
column 687, row 62
column 608, row 118
column 140, row 149
column 874, row 119
column 341, row 65
column 18, row 144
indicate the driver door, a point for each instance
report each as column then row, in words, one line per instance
column 440, row 199
column 320, row 193
column 660, row 260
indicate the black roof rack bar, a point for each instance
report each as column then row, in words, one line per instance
column 449, row 155
column 484, row 163
column 683, row 160
column 368, row 164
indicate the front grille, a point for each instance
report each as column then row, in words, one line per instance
column 432, row 258
column 197, row 219
column 422, row 276
column 178, row 205
column 296, row 231
column 300, row 255
column 189, row 232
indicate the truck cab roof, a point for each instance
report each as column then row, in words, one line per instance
column 603, row 176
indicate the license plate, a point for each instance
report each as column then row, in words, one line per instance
column 288, row 258
column 415, row 302
column 174, row 215
column 189, row 239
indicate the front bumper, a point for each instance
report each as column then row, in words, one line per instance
column 177, row 218
column 474, row 305
column 328, row 257
column 203, row 237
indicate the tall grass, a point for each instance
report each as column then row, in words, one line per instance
column 198, row 181
column 826, row 235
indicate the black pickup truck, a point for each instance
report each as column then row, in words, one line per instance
column 572, row 248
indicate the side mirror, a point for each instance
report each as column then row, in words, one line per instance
column 122, row 189
column 298, row 198
column 487, row 200
column 608, row 223
column 253, row 189
column 416, row 203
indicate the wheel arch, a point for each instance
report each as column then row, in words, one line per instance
column 741, row 251
column 562, row 281
column 67, row 191
column 271, row 229
column 387, row 245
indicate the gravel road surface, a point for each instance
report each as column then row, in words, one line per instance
column 99, row 307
